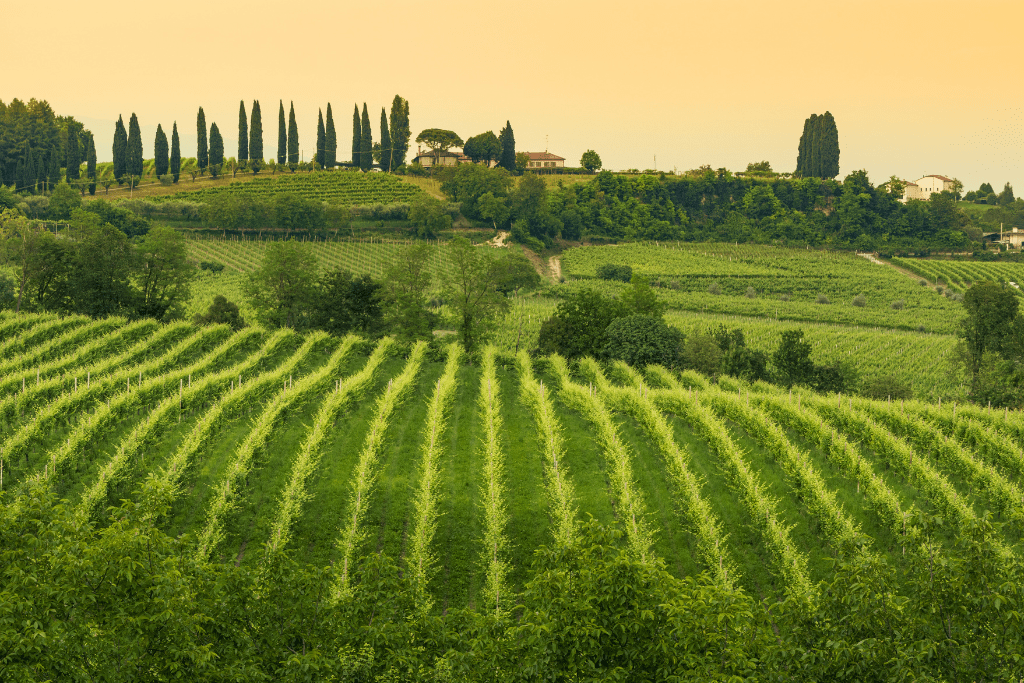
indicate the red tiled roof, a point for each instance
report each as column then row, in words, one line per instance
column 940, row 177
column 544, row 156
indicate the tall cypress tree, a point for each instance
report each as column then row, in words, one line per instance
column 90, row 165
column 256, row 136
column 134, row 156
column 366, row 143
column 399, row 133
column 19, row 176
column 507, row 138
column 321, row 141
column 160, row 160
column 385, row 142
column 293, row 138
column 74, row 155
column 282, row 136
column 331, row 142
column 243, row 133
column 29, row 181
column 357, row 137
column 202, row 152
column 120, row 150
column 829, row 158
column 175, row 153
column 216, row 149
column 53, row 169
column 41, row 171
column 802, row 152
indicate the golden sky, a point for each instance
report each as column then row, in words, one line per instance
column 916, row 88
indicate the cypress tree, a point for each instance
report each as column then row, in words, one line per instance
column 74, row 155
column 160, row 161
column 90, row 165
column 256, row 136
column 133, row 158
column 802, row 151
column 399, row 133
column 29, row 180
column 120, row 149
column 293, row 138
column 385, row 142
column 321, row 141
column 331, row 142
column 366, row 144
column 508, row 148
column 357, row 137
column 53, row 171
column 41, row 172
column 202, row 152
column 829, row 146
column 243, row 133
column 216, row 149
column 282, row 136
column 175, row 153
column 19, row 176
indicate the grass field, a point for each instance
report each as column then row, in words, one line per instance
column 267, row 436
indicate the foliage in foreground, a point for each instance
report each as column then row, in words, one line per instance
column 125, row 602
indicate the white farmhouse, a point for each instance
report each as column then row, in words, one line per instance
column 924, row 188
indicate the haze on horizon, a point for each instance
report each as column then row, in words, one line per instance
column 915, row 88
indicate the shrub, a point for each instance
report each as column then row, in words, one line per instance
column 609, row 271
column 860, row 301
column 939, row 290
column 897, row 305
column 713, row 288
column 211, row 266
column 784, row 297
column 641, row 340
column 221, row 311
column 822, row 299
column 885, row 387
column 751, row 293
column 923, row 282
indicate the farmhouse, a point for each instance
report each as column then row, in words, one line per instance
column 924, row 188
column 540, row 161
column 426, row 159
column 1011, row 239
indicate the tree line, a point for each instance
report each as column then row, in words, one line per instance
column 39, row 149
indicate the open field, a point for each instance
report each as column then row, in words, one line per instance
column 267, row 437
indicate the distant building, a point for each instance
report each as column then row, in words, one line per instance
column 924, row 188
column 426, row 159
column 540, row 161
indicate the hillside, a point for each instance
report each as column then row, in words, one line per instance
column 269, row 438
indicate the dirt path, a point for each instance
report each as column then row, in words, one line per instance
column 555, row 268
column 913, row 276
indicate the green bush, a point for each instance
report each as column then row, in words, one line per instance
column 860, row 301
column 610, row 271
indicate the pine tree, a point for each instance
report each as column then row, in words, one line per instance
column 508, row 148
column 74, row 155
column 385, row 142
column 120, row 150
column 357, row 137
column 243, row 133
column 366, row 144
column 175, row 153
column 282, row 136
column 216, row 149
column 202, row 152
column 399, row 133
column 90, row 165
column 256, row 136
column 331, row 142
column 160, row 161
column 133, row 158
column 293, row 138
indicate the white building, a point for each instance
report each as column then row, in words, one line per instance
column 924, row 188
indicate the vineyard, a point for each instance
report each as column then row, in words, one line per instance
column 959, row 275
column 332, row 187
column 330, row 447
column 772, row 282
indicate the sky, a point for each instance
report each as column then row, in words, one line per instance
column 916, row 88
